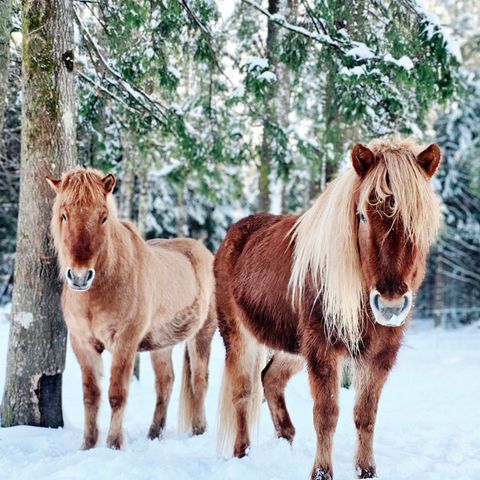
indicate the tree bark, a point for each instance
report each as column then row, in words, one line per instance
column 143, row 209
column 266, row 153
column 36, row 349
column 5, row 29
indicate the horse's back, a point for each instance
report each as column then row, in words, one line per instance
column 252, row 269
column 197, row 255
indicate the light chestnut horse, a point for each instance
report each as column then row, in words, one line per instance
column 332, row 284
column 125, row 295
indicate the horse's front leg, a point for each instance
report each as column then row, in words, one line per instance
column 324, row 383
column 371, row 372
column 91, row 365
column 123, row 359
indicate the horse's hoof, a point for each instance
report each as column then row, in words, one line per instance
column 155, row 432
column 89, row 442
column 241, row 451
column 366, row 472
column 198, row 429
column 287, row 433
column 115, row 443
column 320, row 474
column 87, row 445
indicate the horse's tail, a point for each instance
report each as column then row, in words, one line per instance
column 191, row 415
column 187, row 402
column 226, row 421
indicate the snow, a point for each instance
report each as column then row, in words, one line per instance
column 267, row 76
column 360, row 52
column 25, row 319
column 433, row 26
column 427, row 426
column 256, row 62
column 404, row 62
column 357, row 71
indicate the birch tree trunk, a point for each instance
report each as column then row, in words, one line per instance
column 36, row 349
column 5, row 28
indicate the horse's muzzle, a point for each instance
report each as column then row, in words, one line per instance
column 80, row 281
column 390, row 313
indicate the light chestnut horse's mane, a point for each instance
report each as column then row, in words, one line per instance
column 326, row 239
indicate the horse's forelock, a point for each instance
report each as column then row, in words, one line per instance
column 83, row 187
column 399, row 180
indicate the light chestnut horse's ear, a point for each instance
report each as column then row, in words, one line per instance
column 430, row 158
column 109, row 183
column 54, row 183
column 363, row 159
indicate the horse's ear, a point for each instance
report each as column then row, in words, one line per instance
column 108, row 183
column 430, row 158
column 362, row 159
column 54, row 183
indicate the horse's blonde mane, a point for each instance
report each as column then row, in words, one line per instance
column 325, row 236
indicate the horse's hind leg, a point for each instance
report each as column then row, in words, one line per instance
column 195, row 378
column 275, row 376
column 241, row 395
column 91, row 365
column 163, row 368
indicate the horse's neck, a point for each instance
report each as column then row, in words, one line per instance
column 119, row 251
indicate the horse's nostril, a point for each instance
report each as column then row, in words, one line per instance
column 69, row 274
column 90, row 274
column 376, row 301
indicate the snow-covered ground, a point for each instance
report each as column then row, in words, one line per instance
column 428, row 425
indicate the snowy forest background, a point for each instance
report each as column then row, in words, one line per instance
column 209, row 110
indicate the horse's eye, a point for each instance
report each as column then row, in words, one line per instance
column 362, row 217
column 64, row 217
column 104, row 219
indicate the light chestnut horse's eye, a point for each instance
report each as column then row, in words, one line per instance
column 64, row 217
column 104, row 220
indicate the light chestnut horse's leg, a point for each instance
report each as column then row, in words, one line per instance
column 195, row 378
column 90, row 362
column 275, row 377
column 371, row 372
column 123, row 359
column 164, row 377
column 324, row 376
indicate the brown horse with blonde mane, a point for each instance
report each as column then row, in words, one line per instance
column 125, row 295
column 335, row 283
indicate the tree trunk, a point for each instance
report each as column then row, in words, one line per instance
column 5, row 28
column 127, row 186
column 143, row 209
column 266, row 153
column 36, row 349
column 438, row 283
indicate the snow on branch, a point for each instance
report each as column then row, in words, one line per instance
column 148, row 102
column 434, row 27
column 280, row 20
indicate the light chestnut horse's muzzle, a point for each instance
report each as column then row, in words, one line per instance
column 80, row 280
column 390, row 312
